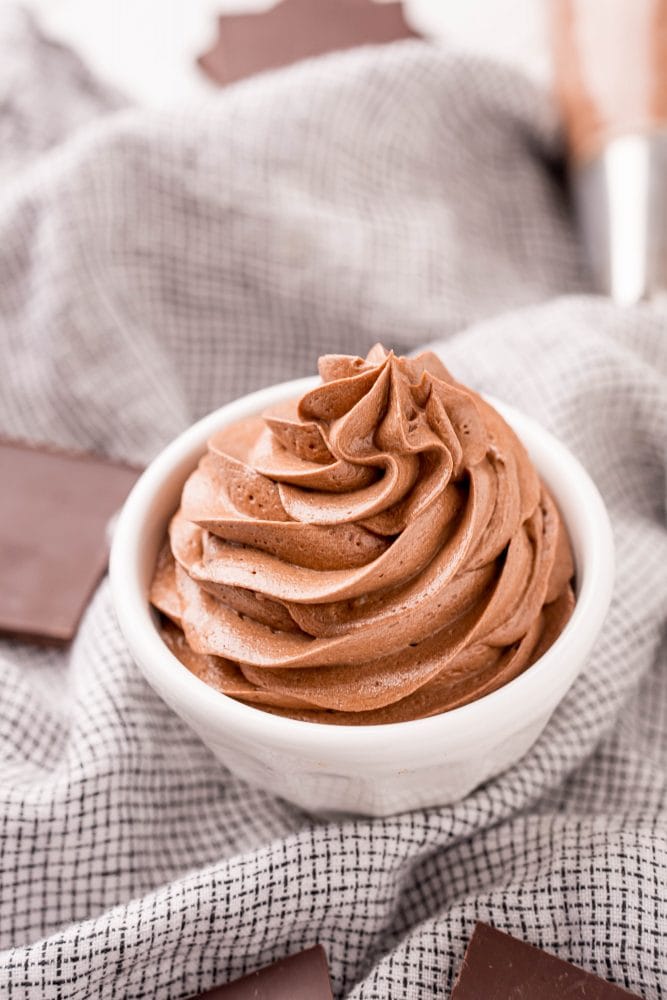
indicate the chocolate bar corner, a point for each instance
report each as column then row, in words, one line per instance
column 497, row 966
column 304, row 976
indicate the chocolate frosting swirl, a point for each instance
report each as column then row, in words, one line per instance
column 380, row 550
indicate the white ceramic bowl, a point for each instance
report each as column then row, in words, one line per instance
column 375, row 770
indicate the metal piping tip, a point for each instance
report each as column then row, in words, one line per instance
column 621, row 202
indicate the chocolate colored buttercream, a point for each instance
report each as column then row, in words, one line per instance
column 380, row 550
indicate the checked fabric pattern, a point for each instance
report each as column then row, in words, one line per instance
column 153, row 267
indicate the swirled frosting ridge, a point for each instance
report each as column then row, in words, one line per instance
column 380, row 550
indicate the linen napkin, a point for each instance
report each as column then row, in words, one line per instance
column 153, row 267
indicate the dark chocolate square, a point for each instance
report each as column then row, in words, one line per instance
column 299, row 29
column 497, row 966
column 304, row 976
column 55, row 508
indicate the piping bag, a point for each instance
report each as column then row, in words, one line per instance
column 610, row 68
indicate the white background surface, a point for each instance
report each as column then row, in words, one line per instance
column 148, row 48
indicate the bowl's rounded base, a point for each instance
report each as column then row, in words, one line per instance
column 316, row 785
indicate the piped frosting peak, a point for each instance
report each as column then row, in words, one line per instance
column 381, row 549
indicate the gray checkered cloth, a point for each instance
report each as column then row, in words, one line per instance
column 153, row 267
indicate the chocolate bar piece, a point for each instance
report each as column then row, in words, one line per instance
column 55, row 508
column 304, row 976
column 298, row 29
column 499, row 967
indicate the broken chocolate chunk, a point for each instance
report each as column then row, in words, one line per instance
column 55, row 509
column 497, row 966
column 304, row 976
column 299, row 29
